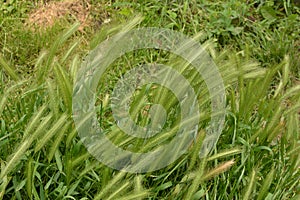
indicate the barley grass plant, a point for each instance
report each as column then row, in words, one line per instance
column 256, row 48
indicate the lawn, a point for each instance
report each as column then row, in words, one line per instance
column 254, row 45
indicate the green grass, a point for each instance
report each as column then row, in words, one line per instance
column 256, row 48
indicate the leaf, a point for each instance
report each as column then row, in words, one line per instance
column 172, row 14
column 29, row 174
column 126, row 12
column 8, row 68
column 20, row 185
column 57, row 156
column 266, row 185
column 268, row 13
column 164, row 186
column 248, row 192
column 235, row 30
column 199, row 194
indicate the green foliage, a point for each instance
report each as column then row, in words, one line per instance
column 257, row 156
column 13, row 8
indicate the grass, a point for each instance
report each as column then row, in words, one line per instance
column 256, row 48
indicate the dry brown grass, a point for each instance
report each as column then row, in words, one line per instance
column 71, row 10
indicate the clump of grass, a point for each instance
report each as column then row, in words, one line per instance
column 257, row 156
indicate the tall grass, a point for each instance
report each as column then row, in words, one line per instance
column 256, row 157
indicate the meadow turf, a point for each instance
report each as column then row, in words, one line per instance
column 255, row 45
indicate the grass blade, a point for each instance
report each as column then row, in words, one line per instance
column 9, row 69
column 248, row 192
column 266, row 185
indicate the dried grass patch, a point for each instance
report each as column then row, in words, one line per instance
column 46, row 15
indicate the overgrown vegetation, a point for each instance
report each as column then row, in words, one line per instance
column 254, row 44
